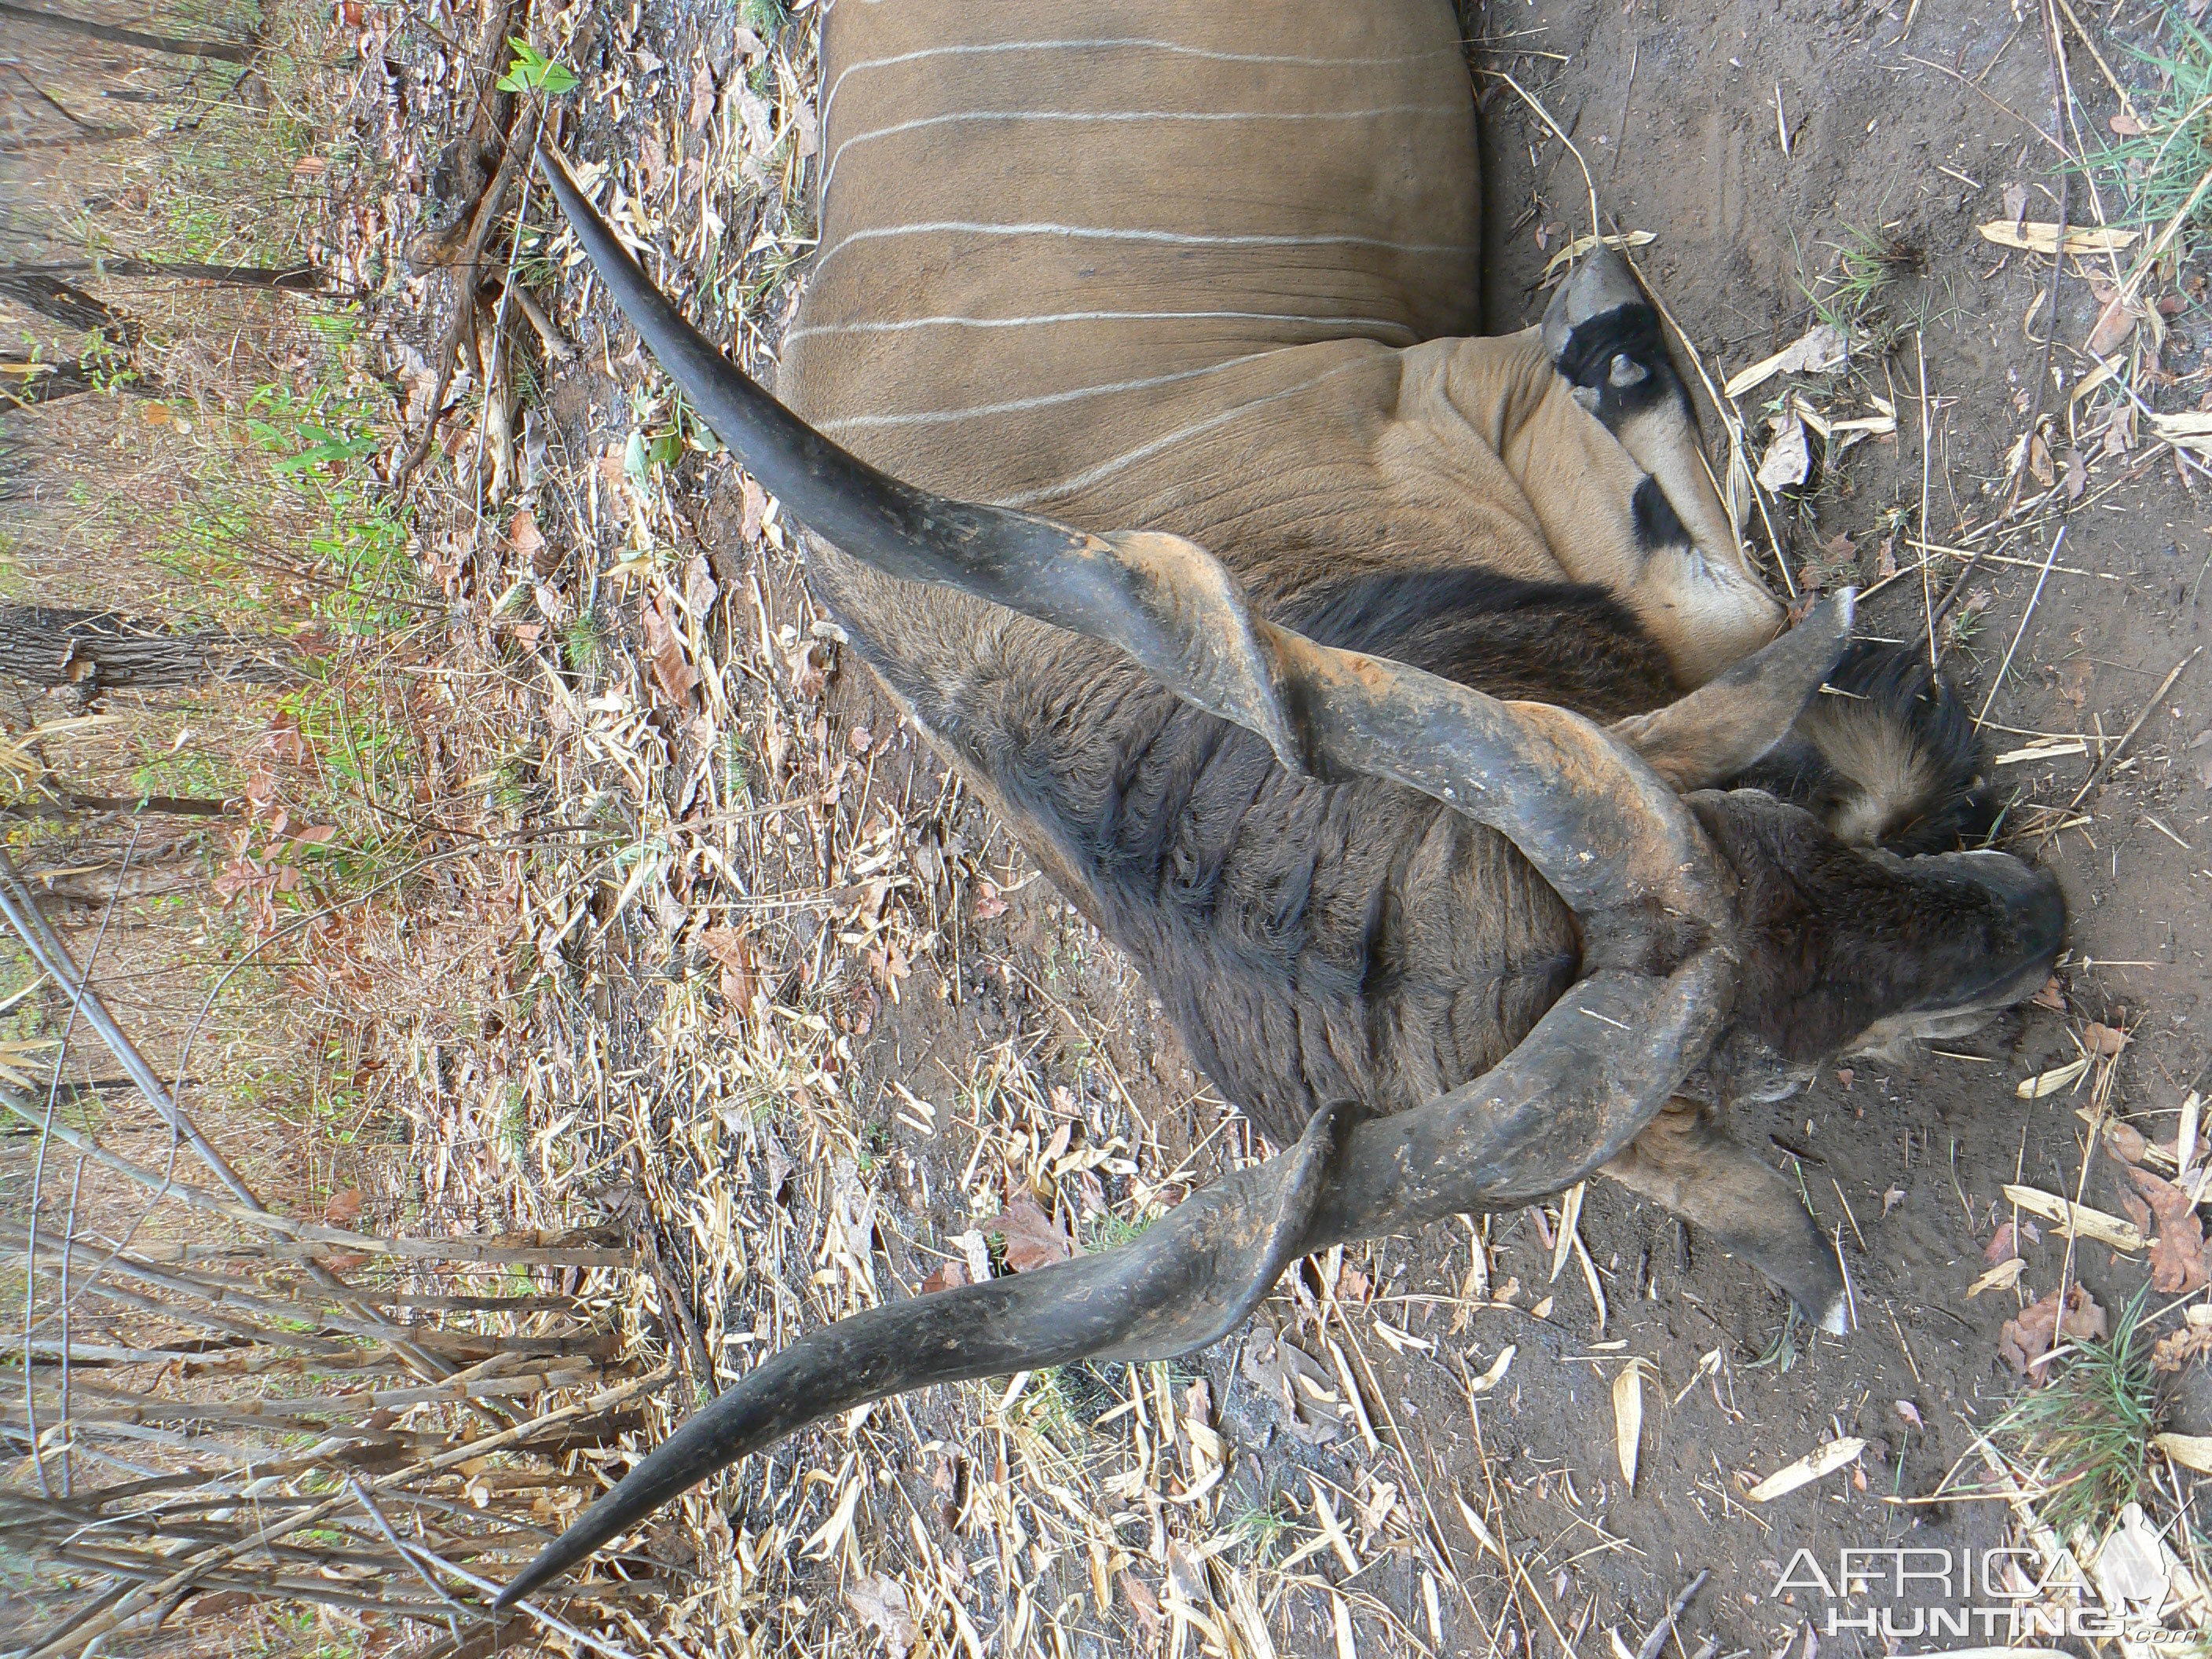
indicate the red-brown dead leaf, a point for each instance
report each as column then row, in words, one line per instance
column 2003, row 1246
column 1032, row 1239
column 1143, row 1603
column 809, row 667
column 2027, row 1338
column 734, row 951
column 2137, row 1212
column 703, row 97
column 756, row 509
column 2114, row 324
column 2038, row 461
column 2104, row 1040
column 2125, row 1140
column 989, row 903
column 524, row 535
column 949, row 1276
column 2050, row 996
column 2177, row 1253
column 672, row 672
column 344, row 1208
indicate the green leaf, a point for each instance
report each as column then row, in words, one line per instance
column 532, row 71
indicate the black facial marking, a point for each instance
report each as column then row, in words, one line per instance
column 1630, row 332
column 1657, row 524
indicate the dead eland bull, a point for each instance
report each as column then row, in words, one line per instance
column 1399, row 700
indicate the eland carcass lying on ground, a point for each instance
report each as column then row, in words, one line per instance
column 1399, row 700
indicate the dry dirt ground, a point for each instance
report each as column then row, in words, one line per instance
column 1754, row 141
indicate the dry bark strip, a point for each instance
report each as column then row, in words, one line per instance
column 521, row 144
column 227, row 51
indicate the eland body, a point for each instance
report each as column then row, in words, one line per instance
column 1399, row 699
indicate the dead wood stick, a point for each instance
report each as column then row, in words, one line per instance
column 237, row 1297
column 315, row 1236
column 606, row 1650
column 23, row 914
column 318, row 1408
column 1657, row 1639
column 2112, row 753
column 2058, row 269
column 549, row 333
column 146, row 1598
column 521, row 142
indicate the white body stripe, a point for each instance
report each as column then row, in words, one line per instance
column 901, row 327
column 1129, row 458
column 1072, row 116
column 1175, row 47
column 1100, row 232
column 1044, row 400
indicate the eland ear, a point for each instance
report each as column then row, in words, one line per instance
column 1729, row 723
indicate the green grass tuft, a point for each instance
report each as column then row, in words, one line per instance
column 2160, row 168
column 2086, row 1434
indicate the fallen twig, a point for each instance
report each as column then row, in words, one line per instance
column 521, row 144
column 2112, row 753
column 1660, row 1631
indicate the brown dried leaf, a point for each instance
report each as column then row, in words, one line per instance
column 2027, row 1338
column 2050, row 996
column 675, row 677
column 949, row 1276
column 882, row 1602
column 702, row 96
column 2015, row 203
column 809, row 667
column 2106, row 1040
column 2172, row 1352
column 2038, row 461
column 755, row 510
column 733, row 951
column 1033, row 1240
column 2002, row 1247
column 2126, row 1141
column 1143, row 1603
column 524, row 536
column 343, row 1209
column 2114, row 324
column 2177, row 1253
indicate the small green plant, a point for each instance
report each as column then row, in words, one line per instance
column 2161, row 165
column 532, row 71
column 1109, row 1232
column 2086, row 1433
column 764, row 17
column 1853, row 295
column 583, row 641
column 1261, row 1526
